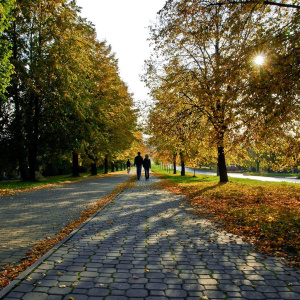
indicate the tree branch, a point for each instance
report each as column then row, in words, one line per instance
column 255, row 2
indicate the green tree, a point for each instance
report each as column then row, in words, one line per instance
column 51, row 53
column 6, row 70
column 5, row 66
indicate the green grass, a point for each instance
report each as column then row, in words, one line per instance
column 19, row 184
column 189, row 177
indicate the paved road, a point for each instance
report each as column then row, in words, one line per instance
column 239, row 175
column 29, row 217
column 147, row 244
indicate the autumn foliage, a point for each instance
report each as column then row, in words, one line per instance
column 208, row 90
column 267, row 215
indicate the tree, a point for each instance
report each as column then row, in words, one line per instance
column 66, row 99
column 51, row 52
column 172, row 132
column 256, row 2
column 112, row 117
column 6, row 70
column 6, row 67
column 207, row 53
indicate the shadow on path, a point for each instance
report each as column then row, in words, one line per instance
column 146, row 244
column 29, row 217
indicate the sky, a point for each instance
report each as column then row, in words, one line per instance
column 124, row 25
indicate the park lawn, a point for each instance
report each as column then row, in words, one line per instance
column 9, row 187
column 13, row 186
column 266, row 214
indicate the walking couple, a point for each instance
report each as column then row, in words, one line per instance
column 139, row 162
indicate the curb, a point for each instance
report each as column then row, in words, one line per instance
column 21, row 277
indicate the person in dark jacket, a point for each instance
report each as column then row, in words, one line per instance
column 128, row 165
column 138, row 162
column 147, row 166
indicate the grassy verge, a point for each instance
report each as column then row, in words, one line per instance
column 8, row 187
column 266, row 214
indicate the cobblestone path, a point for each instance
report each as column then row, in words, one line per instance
column 147, row 244
column 29, row 217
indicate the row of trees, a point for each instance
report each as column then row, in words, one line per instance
column 65, row 97
column 208, row 92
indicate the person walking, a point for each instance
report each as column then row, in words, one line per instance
column 147, row 166
column 138, row 162
column 128, row 165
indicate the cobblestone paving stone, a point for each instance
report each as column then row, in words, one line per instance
column 147, row 244
column 29, row 217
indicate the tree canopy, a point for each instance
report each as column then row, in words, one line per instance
column 66, row 95
column 5, row 66
column 202, row 69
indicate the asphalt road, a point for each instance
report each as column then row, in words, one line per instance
column 239, row 175
column 28, row 217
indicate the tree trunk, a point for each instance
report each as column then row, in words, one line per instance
column 106, row 164
column 33, row 136
column 117, row 168
column 174, row 163
column 75, row 165
column 23, row 171
column 93, row 169
column 222, row 165
column 19, row 143
column 32, row 155
column 257, row 165
column 112, row 166
column 182, row 164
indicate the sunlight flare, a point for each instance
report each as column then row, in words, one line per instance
column 259, row 60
